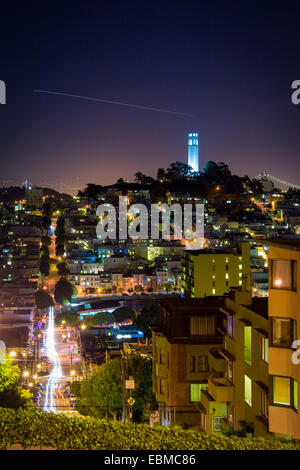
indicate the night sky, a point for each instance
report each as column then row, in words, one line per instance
column 229, row 66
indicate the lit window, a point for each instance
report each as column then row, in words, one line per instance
column 283, row 274
column 213, row 291
column 248, row 390
column 283, row 332
column 230, row 325
column 285, row 391
column 247, row 344
column 195, row 391
column 265, row 349
column 240, row 266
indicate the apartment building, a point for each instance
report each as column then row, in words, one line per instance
column 209, row 272
column 186, row 332
column 284, row 328
column 238, row 395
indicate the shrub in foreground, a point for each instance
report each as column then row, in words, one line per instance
column 36, row 428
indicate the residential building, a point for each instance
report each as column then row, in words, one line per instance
column 284, row 327
column 209, row 272
column 238, row 394
column 187, row 329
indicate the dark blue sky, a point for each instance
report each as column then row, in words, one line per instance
column 230, row 66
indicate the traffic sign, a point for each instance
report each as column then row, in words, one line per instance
column 131, row 401
column 129, row 384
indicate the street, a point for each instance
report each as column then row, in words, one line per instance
column 61, row 349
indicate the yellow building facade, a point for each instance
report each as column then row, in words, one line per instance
column 213, row 272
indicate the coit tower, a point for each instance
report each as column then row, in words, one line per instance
column 193, row 156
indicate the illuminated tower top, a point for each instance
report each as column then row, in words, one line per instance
column 193, row 157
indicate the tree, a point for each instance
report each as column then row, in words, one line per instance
column 123, row 313
column 139, row 288
column 62, row 269
column 9, row 375
column 46, row 240
column 60, row 249
column 70, row 317
column 168, row 287
column 46, row 210
column 43, row 300
column 140, row 369
column 102, row 394
column 146, row 318
column 178, row 170
column 44, row 265
column 63, row 291
column 11, row 395
column 46, row 222
column 101, row 319
column 45, row 250
column 161, row 174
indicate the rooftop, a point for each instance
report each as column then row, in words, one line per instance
column 291, row 243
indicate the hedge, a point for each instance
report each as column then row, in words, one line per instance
column 31, row 428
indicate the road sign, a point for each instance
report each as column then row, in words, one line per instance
column 129, row 384
column 131, row 401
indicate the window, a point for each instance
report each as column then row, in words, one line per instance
column 283, row 274
column 230, row 414
column 203, row 363
column 193, row 364
column 230, row 326
column 195, row 391
column 264, row 405
column 230, row 370
column 283, row 332
column 248, row 390
column 247, row 344
column 202, row 325
column 265, row 349
column 162, row 356
column 218, row 423
column 162, row 388
column 285, row 391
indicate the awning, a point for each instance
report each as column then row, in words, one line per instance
column 226, row 311
column 227, row 355
column 261, row 385
column 261, row 331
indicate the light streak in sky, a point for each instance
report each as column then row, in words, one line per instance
column 56, row 372
column 101, row 100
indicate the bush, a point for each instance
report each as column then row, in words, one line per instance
column 37, row 428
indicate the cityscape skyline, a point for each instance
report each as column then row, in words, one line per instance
column 230, row 71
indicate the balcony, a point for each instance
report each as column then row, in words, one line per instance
column 216, row 361
column 220, row 388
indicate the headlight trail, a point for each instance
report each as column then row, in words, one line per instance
column 56, row 372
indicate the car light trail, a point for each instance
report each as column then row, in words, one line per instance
column 56, row 372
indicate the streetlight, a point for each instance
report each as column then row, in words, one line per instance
column 12, row 354
column 26, row 373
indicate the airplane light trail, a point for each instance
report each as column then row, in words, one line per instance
column 56, row 372
column 101, row 100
